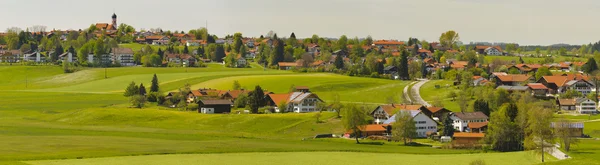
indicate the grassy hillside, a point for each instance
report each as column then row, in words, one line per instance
column 301, row 158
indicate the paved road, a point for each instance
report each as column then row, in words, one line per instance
column 406, row 93
column 417, row 95
column 558, row 154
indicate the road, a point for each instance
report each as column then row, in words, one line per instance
column 406, row 93
column 416, row 93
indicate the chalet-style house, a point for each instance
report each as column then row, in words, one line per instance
column 370, row 130
column 124, row 56
column 151, row 40
column 298, row 102
column 526, row 68
column 425, row 124
column 10, row 56
column 560, row 84
column 181, row 59
column 67, row 57
column 513, row 79
column 538, row 89
column 567, row 104
column 461, row 120
column 35, row 56
column 489, row 50
column 386, row 111
column 435, row 112
column 479, row 81
column 214, row 106
column 586, row 106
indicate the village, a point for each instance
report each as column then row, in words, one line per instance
column 477, row 96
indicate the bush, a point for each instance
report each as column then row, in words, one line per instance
column 161, row 99
column 374, row 75
column 153, row 97
column 137, row 101
column 192, row 107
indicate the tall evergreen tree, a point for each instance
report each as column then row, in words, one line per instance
column 431, row 49
column 154, row 87
column 131, row 90
column 293, row 35
column 404, row 65
column 480, row 105
column 256, row 99
column 58, row 50
column 278, row 53
column 448, row 129
column 219, row 54
column 185, row 49
column 590, row 66
column 339, row 62
column 142, row 90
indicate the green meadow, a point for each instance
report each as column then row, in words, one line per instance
column 82, row 118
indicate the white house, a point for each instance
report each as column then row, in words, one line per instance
column 298, row 102
column 34, row 56
column 586, row 106
column 386, row 111
column 493, row 51
column 160, row 42
column 124, row 56
column 461, row 120
column 240, row 62
column 10, row 56
column 424, row 123
column 581, row 85
column 67, row 56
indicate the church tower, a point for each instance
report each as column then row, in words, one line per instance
column 114, row 20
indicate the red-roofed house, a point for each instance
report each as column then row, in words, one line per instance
column 467, row 139
column 538, row 89
column 298, row 102
column 370, row 130
column 513, row 79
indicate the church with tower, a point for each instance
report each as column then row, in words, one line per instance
column 107, row 26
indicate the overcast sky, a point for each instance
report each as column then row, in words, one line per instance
column 523, row 21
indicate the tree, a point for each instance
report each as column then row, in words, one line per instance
column 241, row 101
column 278, row 53
column 564, row 130
column 542, row 71
column 448, row 129
column 403, row 70
column 282, row 106
column 236, row 85
column 58, row 50
column 154, row 87
column 185, row 49
column 337, row 105
column 142, row 90
column 480, row 105
column 538, row 51
column 539, row 131
column 510, row 48
column 503, row 134
column 131, row 90
column 219, row 54
column 137, row 101
column 452, row 95
column 355, row 119
column 569, row 94
column 339, row 62
column 256, row 99
column 590, row 66
column 463, row 100
column 342, row 42
column 449, row 38
column 404, row 128
column 237, row 42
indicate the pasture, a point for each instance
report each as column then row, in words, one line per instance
column 82, row 115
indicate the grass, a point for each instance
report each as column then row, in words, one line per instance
column 430, row 93
column 586, row 152
column 516, row 158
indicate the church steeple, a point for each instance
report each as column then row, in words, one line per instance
column 114, row 20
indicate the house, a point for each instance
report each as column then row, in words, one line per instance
column 489, row 50
column 425, row 124
column 467, row 139
column 370, row 130
column 512, row 89
column 435, row 112
column 576, row 128
column 461, row 120
column 567, row 104
column 390, row 70
column 478, row 81
column 34, row 56
column 68, row 57
column 123, row 56
column 298, row 102
column 183, row 59
column 526, row 68
column 194, row 42
column 513, row 79
column 538, row 89
column 384, row 112
column 288, row 65
column 214, row 106
column 182, row 36
column 561, row 83
column 151, row 39
column 240, row 61
column 10, row 56
column 108, row 27
column 478, row 127
column 458, row 65
column 586, row 106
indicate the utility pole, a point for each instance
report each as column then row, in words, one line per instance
column 105, row 76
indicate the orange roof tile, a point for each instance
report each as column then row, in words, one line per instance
column 477, row 124
column 278, row 98
column 537, row 86
column 513, row 78
column 388, row 42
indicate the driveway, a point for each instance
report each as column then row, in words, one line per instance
column 406, row 93
column 416, row 93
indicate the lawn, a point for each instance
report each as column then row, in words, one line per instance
column 429, row 93
column 301, row 158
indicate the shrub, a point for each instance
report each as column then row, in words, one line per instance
column 477, row 162
column 153, row 97
column 137, row 101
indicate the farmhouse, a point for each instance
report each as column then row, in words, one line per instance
column 513, row 79
column 385, row 112
column 371, row 130
column 538, row 89
column 425, row 124
column 478, row 127
column 567, row 104
column 467, row 139
column 585, row 106
column 10, row 56
column 181, row 59
column 562, row 83
column 461, row 120
column 298, row 102
column 214, row 106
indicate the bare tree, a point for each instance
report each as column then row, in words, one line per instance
column 16, row 30
column 38, row 28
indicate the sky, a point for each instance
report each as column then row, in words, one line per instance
column 527, row 22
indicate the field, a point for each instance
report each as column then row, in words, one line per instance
column 300, row 158
column 71, row 118
column 430, row 93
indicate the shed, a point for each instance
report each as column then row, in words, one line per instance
column 214, row 106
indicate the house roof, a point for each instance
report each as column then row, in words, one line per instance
column 436, row 109
column 154, row 37
column 216, row 102
column 583, row 99
column 372, row 128
column 468, row 135
column 537, row 86
column 514, row 77
column 567, row 102
column 287, row 64
column 477, row 124
column 392, row 109
column 278, row 98
column 569, row 124
column 470, row 115
column 388, row 42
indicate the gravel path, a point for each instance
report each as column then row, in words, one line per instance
column 417, row 95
